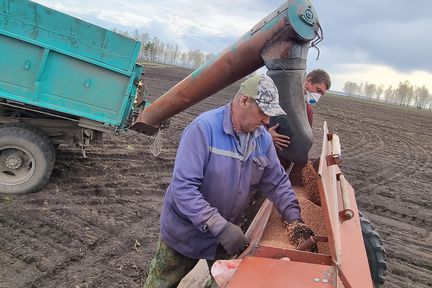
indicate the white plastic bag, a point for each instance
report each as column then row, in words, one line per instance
column 223, row 270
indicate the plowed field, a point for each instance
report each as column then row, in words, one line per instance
column 96, row 222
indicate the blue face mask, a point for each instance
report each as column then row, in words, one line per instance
column 312, row 97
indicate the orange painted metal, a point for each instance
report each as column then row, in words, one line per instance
column 256, row 228
column 264, row 272
column 345, row 237
column 293, row 255
column 255, row 232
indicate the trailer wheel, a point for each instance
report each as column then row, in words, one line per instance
column 27, row 158
column 375, row 251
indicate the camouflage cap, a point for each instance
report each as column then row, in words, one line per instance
column 264, row 91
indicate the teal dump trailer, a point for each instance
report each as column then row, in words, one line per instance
column 62, row 81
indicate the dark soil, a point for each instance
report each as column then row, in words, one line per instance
column 96, row 223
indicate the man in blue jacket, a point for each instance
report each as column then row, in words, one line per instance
column 222, row 154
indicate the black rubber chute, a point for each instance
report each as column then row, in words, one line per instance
column 295, row 124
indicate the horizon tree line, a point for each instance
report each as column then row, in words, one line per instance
column 404, row 94
column 155, row 50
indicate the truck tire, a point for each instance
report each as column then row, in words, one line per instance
column 375, row 251
column 27, row 158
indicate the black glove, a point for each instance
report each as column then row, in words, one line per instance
column 233, row 239
column 300, row 232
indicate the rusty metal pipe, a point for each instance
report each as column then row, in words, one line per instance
column 292, row 23
column 346, row 213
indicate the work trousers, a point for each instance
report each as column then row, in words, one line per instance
column 168, row 267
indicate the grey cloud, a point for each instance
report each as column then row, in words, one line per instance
column 394, row 33
column 389, row 32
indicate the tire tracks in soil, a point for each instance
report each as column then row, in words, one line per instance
column 390, row 213
column 107, row 252
column 397, row 168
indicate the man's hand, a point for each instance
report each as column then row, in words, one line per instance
column 280, row 141
column 299, row 232
column 233, row 240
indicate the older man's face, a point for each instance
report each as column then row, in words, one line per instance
column 252, row 115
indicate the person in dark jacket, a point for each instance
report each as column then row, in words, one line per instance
column 222, row 154
column 315, row 86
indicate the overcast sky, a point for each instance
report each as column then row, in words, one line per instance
column 382, row 42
